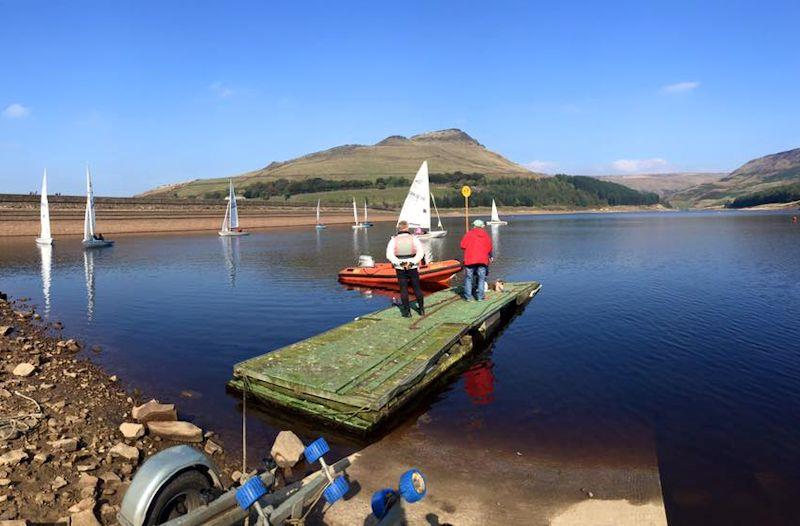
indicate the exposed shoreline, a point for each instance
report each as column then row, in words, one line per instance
column 20, row 218
column 66, row 456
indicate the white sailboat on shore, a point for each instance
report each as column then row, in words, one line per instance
column 45, row 237
column 230, row 223
column 495, row 220
column 320, row 226
column 90, row 238
column 356, row 223
column 416, row 209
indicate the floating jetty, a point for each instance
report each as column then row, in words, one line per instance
column 358, row 374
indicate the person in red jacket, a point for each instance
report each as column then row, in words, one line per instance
column 477, row 246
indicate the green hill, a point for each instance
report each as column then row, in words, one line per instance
column 447, row 152
column 772, row 178
column 382, row 174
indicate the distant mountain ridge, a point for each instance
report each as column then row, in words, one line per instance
column 664, row 184
column 447, row 151
column 764, row 176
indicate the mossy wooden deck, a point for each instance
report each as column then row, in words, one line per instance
column 357, row 374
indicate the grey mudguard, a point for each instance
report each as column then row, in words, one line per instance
column 154, row 474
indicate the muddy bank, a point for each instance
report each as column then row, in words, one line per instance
column 64, row 452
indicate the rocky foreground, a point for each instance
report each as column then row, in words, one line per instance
column 70, row 436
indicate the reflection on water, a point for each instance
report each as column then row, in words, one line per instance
column 479, row 383
column 46, row 253
column 230, row 251
column 495, row 233
column 88, row 270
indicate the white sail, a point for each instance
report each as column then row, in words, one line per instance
column 88, row 216
column 495, row 216
column 233, row 217
column 365, row 211
column 355, row 211
column 45, row 236
column 318, row 211
column 225, row 227
column 416, row 208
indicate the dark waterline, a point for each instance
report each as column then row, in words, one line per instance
column 673, row 336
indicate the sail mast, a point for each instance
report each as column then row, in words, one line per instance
column 438, row 219
column 355, row 211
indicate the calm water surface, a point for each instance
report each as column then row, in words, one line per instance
column 677, row 334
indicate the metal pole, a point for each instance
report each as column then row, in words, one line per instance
column 466, row 214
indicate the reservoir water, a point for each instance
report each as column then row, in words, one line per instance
column 675, row 335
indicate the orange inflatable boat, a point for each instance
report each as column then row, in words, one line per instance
column 383, row 275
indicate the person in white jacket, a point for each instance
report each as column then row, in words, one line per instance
column 405, row 251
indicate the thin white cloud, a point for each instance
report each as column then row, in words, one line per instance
column 16, row 111
column 220, row 90
column 631, row 166
column 681, row 87
column 542, row 166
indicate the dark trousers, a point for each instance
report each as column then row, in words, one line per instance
column 403, row 277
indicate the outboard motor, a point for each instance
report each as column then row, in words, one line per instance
column 366, row 261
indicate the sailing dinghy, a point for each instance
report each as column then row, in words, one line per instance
column 357, row 224
column 45, row 238
column 416, row 209
column 495, row 217
column 230, row 224
column 90, row 238
column 320, row 226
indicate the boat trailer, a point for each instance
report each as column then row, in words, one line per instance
column 180, row 486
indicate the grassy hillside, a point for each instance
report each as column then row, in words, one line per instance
column 665, row 184
column 447, row 152
column 762, row 176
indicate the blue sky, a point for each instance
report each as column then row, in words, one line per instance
column 158, row 92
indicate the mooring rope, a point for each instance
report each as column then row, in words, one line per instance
column 9, row 425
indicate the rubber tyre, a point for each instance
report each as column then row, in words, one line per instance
column 413, row 486
column 336, row 490
column 180, row 496
column 382, row 501
column 316, row 449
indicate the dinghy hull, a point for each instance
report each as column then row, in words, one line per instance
column 383, row 275
column 233, row 233
column 96, row 243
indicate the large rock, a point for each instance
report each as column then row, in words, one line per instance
column 84, row 518
column 13, row 523
column 177, row 431
column 64, row 444
column 125, row 451
column 154, row 411
column 13, row 458
column 131, row 430
column 24, row 369
column 287, row 449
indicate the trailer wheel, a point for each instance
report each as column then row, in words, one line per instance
column 181, row 495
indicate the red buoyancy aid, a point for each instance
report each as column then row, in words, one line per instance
column 404, row 245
